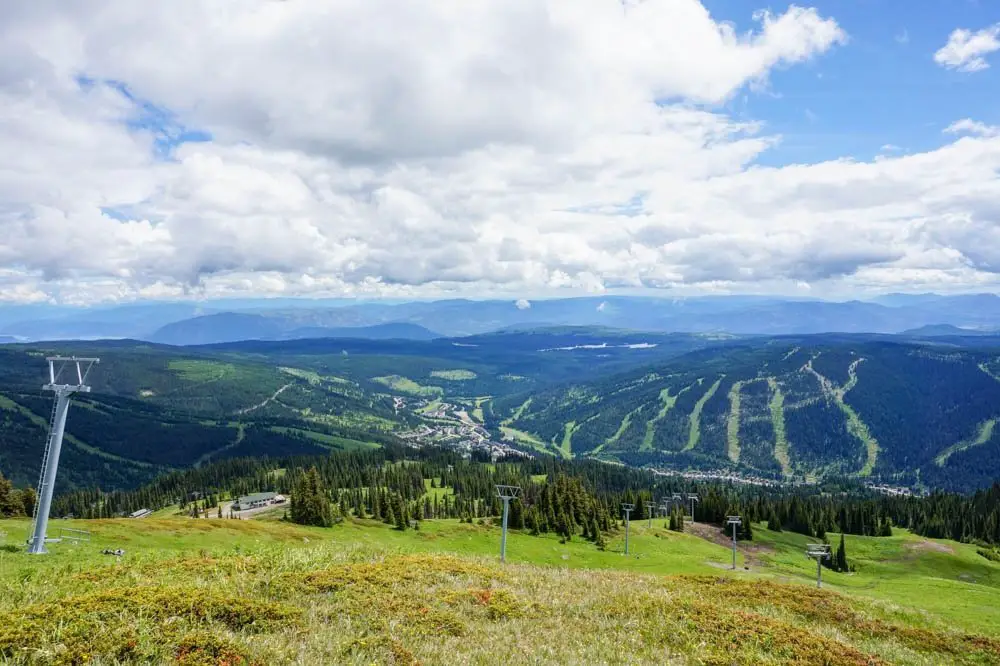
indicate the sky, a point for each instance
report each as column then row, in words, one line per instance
column 175, row 149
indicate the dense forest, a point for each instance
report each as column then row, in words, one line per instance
column 785, row 409
column 571, row 498
column 795, row 409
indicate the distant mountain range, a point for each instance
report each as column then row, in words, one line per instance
column 236, row 326
column 229, row 321
column 947, row 330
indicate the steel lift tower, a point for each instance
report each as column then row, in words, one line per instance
column 627, row 508
column 78, row 368
column 506, row 493
column 819, row 552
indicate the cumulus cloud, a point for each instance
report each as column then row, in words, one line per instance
column 404, row 149
column 974, row 127
column 522, row 304
column 966, row 50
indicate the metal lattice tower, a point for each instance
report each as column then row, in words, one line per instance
column 75, row 383
column 627, row 508
column 692, row 498
column 506, row 493
column 819, row 552
column 735, row 521
column 650, row 508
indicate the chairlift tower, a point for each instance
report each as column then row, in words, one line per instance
column 692, row 498
column 650, row 508
column 627, row 508
column 734, row 521
column 75, row 383
column 664, row 508
column 819, row 552
column 506, row 493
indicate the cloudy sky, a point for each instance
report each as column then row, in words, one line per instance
column 183, row 148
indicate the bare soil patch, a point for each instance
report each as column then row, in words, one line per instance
column 930, row 546
column 750, row 549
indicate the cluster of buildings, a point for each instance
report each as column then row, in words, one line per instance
column 451, row 426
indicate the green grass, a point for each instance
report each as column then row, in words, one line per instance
column 944, row 579
column 566, row 445
column 408, row 386
column 313, row 377
column 776, row 406
column 218, row 591
column 201, row 371
column 525, row 438
column 855, row 425
column 984, row 434
column 331, row 441
column 733, row 423
column 611, row 441
column 438, row 492
column 694, row 434
column 517, row 412
column 668, row 402
column 454, row 375
column 477, row 410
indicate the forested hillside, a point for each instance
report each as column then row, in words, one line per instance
column 153, row 409
column 791, row 408
column 794, row 409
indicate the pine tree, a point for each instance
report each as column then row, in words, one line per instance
column 774, row 523
column 842, row 555
column 399, row 510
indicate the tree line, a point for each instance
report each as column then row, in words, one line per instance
column 570, row 498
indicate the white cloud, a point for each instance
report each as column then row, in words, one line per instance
column 969, row 126
column 538, row 146
column 966, row 50
column 522, row 304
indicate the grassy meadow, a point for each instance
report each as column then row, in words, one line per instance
column 267, row 592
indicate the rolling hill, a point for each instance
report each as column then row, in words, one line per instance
column 154, row 407
column 796, row 408
column 785, row 408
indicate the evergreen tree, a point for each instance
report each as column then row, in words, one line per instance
column 842, row 555
column 310, row 501
column 402, row 520
column 774, row 522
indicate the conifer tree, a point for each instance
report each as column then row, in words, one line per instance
column 402, row 520
column 842, row 555
column 774, row 522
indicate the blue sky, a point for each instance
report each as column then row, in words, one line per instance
column 883, row 87
column 329, row 149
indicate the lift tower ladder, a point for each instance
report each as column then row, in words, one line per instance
column 78, row 369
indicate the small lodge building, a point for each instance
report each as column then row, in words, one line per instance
column 256, row 501
column 141, row 513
